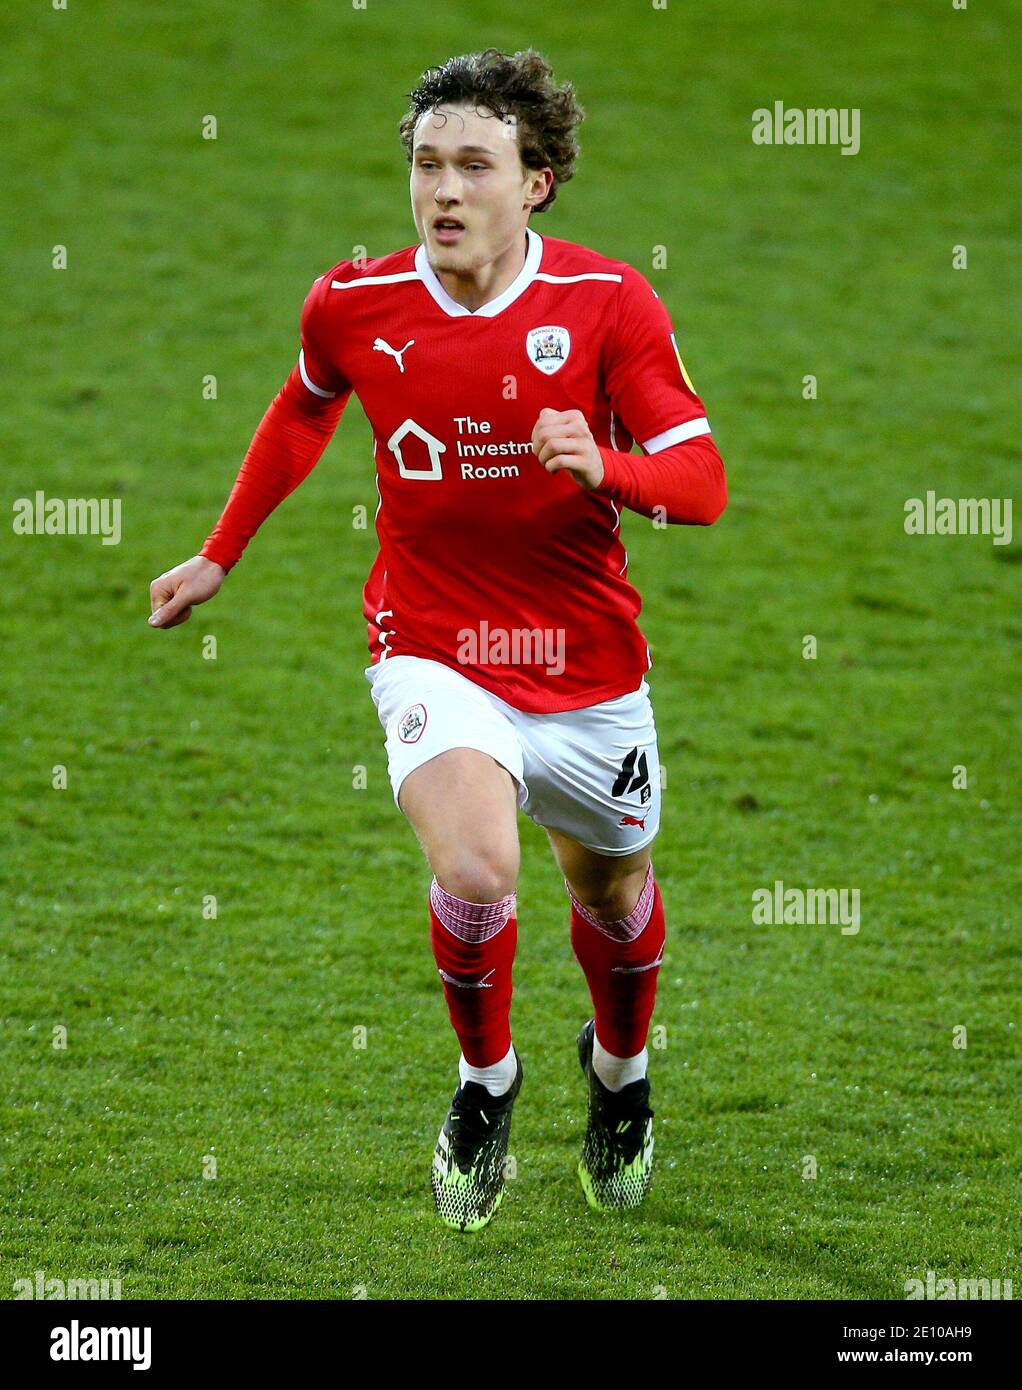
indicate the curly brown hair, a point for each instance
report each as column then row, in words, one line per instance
column 516, row 84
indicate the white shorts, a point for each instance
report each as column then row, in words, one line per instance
column 591, row 773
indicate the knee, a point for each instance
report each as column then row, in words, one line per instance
column 608, row 906
column 479, row 877
column 613, row 898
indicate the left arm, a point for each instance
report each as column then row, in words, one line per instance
column 650, row 394
column 686, row 480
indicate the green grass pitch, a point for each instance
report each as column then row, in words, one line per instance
column 189, row 1036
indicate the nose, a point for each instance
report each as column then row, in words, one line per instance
column 448, row 189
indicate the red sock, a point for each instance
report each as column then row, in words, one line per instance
column 474, row 948
column 620, row 960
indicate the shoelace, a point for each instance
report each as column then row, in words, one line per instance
column 470, row 1131
column 626, row 1128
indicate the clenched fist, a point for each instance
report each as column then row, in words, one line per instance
column 562, row 439
column 173, row 595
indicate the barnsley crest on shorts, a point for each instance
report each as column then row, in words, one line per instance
column 411, row 724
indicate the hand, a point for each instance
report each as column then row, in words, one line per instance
column 562, row 439
column 174, row 593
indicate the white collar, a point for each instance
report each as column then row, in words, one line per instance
column 521, row 282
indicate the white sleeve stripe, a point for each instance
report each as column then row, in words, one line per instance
column 690, row 430
column 316, row 390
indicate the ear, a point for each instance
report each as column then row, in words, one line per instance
column 539, row 185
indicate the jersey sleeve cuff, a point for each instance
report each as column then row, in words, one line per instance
column 611, row 472
column 219, row 554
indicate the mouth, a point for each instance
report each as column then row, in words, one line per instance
column 448, row 230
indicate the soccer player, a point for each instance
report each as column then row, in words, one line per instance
column 505, row 375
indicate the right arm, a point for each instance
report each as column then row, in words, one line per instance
column 286, row 447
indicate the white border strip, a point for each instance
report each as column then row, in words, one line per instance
column 574, row 279
column 690, row 430
column 518, row 286
column 374, row 280
column 316, row 390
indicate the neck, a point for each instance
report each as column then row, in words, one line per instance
column 474, row 288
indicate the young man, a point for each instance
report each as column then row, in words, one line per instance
column 505, row 376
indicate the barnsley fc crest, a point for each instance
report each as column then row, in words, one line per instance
column 411, row 724
column 548, row 348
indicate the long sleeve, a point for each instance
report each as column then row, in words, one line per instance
column 654, row 402
column 291, row 437
column 686, row 480
column 287, row 445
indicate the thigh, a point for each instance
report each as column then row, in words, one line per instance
column 593, row 774
column 463, row 807
column 455, row 765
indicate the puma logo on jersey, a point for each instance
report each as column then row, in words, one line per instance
column 381, row 346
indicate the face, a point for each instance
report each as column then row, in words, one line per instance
column 471, row 194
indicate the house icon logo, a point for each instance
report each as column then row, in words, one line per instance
column 435, row 447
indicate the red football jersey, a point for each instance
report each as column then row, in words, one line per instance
column 487, row 563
